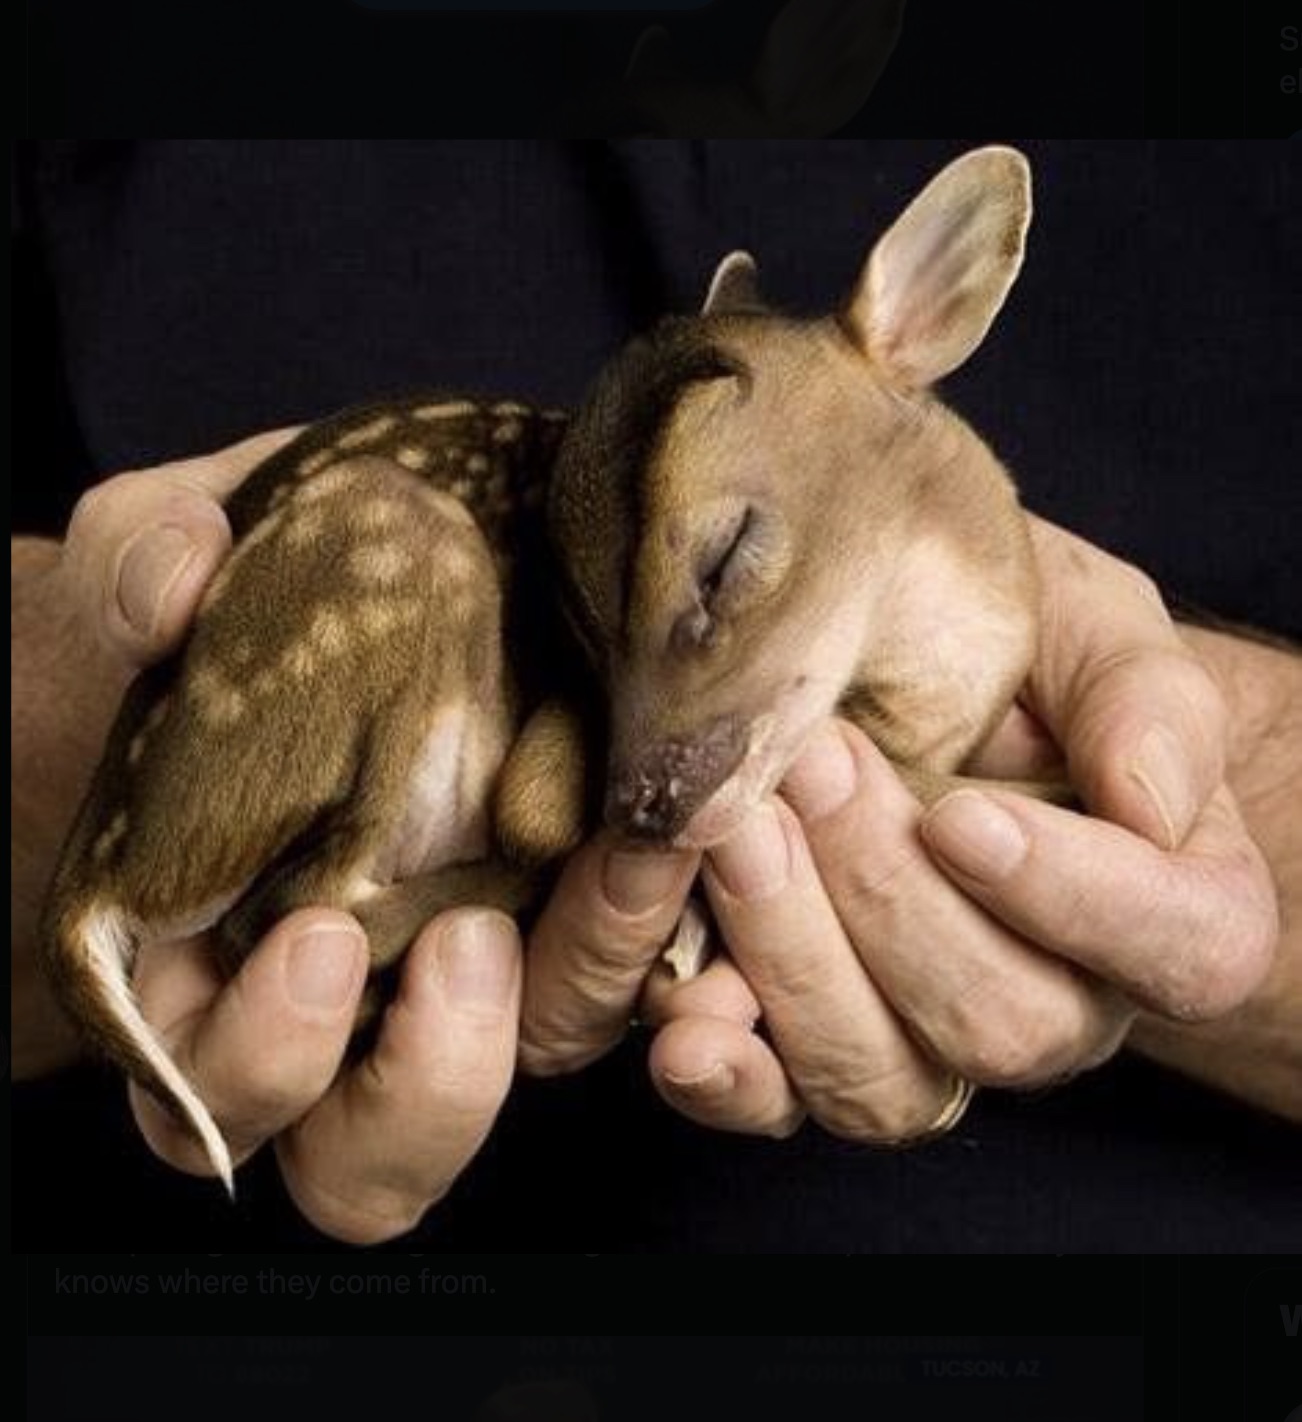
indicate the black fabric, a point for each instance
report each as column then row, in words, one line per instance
column 497, row 72
column 1141, row 383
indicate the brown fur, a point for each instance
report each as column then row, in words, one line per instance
column 753, row 520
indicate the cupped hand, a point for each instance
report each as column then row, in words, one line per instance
column 364, row 1150
column 894, row 953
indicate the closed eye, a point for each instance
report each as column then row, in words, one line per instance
column 710, row 581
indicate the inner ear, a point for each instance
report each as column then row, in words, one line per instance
column 936, row 280
column 734, row 287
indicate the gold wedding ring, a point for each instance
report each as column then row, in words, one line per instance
column 951, row 1113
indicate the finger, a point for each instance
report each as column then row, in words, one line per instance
column 718, row 991
column 853, row 1064
column 1020, row 748
column 393, row 1133
column 1141, row 720
column 720, row 1074
column 219, row 474
column 142, row 547
column 995, row 1007
column 606, row 922
column 262, row 1048
column 1189, row 934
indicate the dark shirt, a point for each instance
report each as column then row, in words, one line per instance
column 1141, row 384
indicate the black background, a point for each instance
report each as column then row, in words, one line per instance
column 1141, row 383
column 1160, row 67
column 1272, row 1374
column 636, row 1379
column 118, row 66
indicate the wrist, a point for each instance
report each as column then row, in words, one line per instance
column 1261, row 684
column 1255, row 1052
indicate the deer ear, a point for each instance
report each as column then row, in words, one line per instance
column 734, row 287
column 936, row 280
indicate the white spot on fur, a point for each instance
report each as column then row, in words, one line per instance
column 452, row 410
column 111, row 837
column 377, row 618
column 335, row 481
column 300, row 662
column 456, row 563
column 314, row 463
column 328, row 632
column 217, row 701
column 412, row 457
column 477, row 464
column 508, row 432
column 379, row 562
column 367, row 433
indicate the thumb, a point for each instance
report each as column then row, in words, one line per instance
column 142, row 547
column 1139, row 718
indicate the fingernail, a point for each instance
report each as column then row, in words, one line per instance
column 975, row 835
column 716, row 1080
column 635, row 881
column 150, row 565
column 323, row 968
column 477, row 960
column 1162, row 769
column 823, row 778
column 756, row 862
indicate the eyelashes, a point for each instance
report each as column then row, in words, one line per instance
column 741, row 565
column 726, row 561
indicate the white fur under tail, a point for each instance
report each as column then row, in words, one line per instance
column 107, row 945
column 689, row 952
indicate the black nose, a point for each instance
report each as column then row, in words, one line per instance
column 653, row 796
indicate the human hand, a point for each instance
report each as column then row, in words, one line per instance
column 887, row 963
column 364, row 1151
column 88, row 614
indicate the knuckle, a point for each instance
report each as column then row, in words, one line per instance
column 790, row 977
column 548, row 1050
column 90, row 506
column 871, row 1107
column 1140, row 583
column 1021, row 1044
column 876, row 890
column 100, row 503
